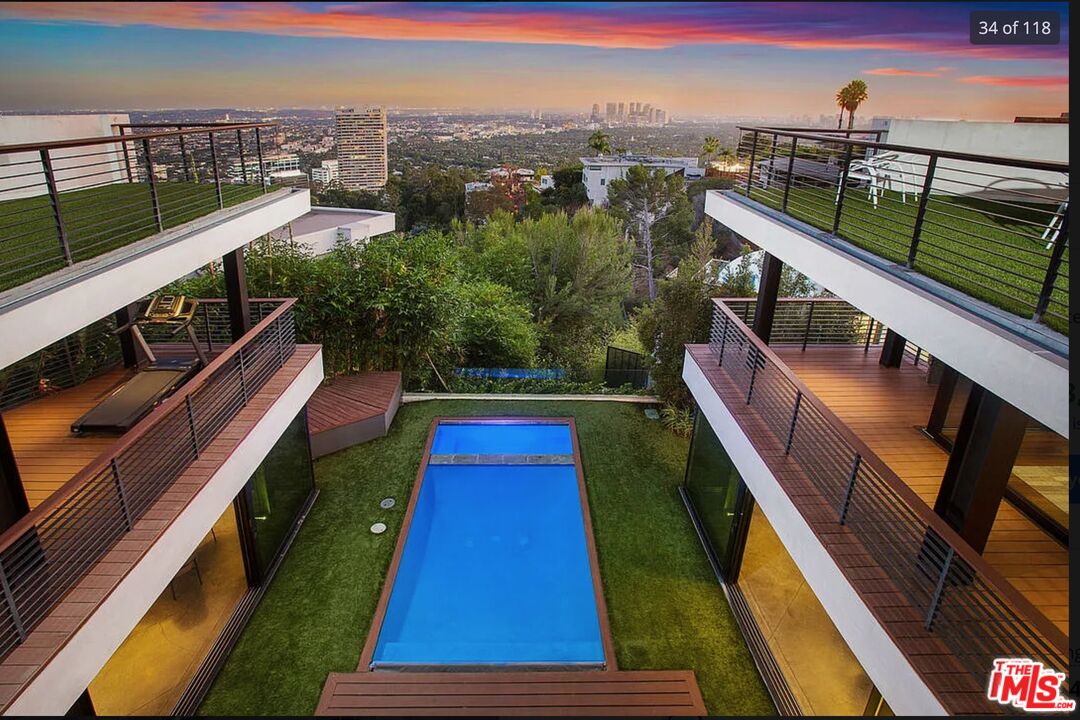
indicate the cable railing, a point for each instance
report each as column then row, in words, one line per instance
column 822, row 321
column 47, row 552
column 994, row 228
column 66, row 201
column 957, row 597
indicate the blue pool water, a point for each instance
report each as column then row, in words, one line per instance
column 495, row 568
column 494, row 439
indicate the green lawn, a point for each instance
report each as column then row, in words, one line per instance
column 965, row 243
column 665, row 607
column 97, row 220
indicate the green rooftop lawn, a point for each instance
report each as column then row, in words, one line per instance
column 665, row 606
column 97, row 220
column 964, row 244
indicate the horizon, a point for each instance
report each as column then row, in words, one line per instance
column 726, row 60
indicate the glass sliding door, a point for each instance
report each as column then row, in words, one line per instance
column 719, row 497
column 278, row 491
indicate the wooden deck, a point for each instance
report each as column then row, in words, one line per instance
column 23, row 663
column 352, row 409
column 885, row 407
column 46, row 452
column 611, row 693
column 869, row 392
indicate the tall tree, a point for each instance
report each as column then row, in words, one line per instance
column 657, row 214
column 841, row 102
column 709, row 148
column 600, row 141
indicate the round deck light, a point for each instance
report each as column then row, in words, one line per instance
column 386, row 503
column 378, row 528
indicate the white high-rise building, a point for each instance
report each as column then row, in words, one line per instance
column 361, row 148
column 328, row 173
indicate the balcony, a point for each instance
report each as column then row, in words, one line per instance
column 994, row 229
column 74, row 569
column 823, row 434
column 88, row 225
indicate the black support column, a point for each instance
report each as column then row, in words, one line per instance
column 939, row 413
column 13, row 504
column 125, row 316
column 980, row 463
column 892, row 349
column 237, row 293
column 768, row 289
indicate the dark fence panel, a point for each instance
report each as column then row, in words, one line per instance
column 625, row 367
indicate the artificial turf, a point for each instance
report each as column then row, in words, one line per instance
column 990, row 250
column 665, row 607
column 97, row 220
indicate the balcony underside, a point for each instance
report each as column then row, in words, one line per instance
column 25, row 667
column 884, row 407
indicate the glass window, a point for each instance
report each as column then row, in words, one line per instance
column 279, row 489
column 153, row 666
column 718, row 494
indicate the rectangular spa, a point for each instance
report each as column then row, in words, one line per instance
column 496, row 567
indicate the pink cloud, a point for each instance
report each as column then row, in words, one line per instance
column 1017, row 81
column 901, row 72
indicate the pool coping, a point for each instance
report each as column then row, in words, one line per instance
column 606, row 641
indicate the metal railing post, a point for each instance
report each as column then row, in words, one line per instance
column 191, row 425
column 183, row 156
column 214, row 165
column 843, row 191
column 258, row 149
column 809, row 321
column 750, row 167
column 240, row 147
column 921, row 213
column 153, row 184
column 790, row 170
column 869, row 334
column 1053, row 268
column 794, row 419
column 280, row 348
column 122, row 493
column 850, row 487
column 13, row 609
column 723, row 338
column 753, row 355
column 243, row 376
column 127, row 157
column 54, row 200
column 939, row 591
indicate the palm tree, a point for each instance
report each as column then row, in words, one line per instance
column 854, row 94
column 709, row 149
column 841, row 102
column 726, row 157
column 600, row 142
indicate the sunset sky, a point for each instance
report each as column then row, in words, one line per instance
column 693, row 59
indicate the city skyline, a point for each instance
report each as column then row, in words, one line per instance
column 732, row 59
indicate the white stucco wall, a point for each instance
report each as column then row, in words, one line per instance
column 1026, row 141
column 18, row 129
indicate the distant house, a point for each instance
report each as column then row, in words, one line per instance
column 598, row 172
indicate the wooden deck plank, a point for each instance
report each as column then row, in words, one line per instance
column 594, row 693
column 352, row 398
column 885, row 407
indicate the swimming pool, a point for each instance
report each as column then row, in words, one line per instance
column 494, row 566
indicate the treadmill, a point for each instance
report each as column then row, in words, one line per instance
column 130, row 402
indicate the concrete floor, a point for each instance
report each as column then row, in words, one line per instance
column 153, row 666
column 824, row 675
